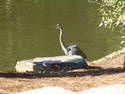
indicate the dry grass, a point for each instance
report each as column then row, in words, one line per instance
column 107, row 71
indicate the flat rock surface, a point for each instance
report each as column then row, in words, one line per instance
column 46, row 64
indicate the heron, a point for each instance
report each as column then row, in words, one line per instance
column 69, row 49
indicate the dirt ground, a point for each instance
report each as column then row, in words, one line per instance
column 107, row 71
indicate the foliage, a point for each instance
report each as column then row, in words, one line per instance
column 112, row 11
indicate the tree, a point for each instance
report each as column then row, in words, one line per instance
column 112, row 12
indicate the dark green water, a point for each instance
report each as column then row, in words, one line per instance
column 27, row 30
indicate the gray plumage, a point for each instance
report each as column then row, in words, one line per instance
column 69, row 49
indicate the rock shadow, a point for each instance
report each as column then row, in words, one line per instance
column 91, row 71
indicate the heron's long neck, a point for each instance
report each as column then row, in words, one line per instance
column 61, row 41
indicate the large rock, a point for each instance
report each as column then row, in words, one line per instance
column 111, row 89
column 47, row 64
column 49, row 90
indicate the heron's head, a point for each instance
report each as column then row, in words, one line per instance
column 58, row 26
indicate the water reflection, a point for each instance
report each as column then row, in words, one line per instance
column 27, row 30
column 10, row 20
column 112, row 17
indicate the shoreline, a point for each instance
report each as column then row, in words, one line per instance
column 114, row 55
column 110, row 72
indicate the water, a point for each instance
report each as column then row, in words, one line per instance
column 27, row 30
